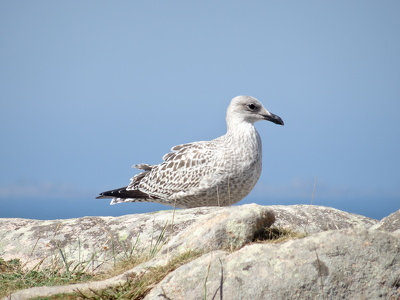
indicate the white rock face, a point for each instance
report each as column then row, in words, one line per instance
column 341, row 264
column 343, row 256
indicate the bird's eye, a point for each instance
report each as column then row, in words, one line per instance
column 251, row 106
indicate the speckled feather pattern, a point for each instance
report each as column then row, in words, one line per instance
column 219, row 172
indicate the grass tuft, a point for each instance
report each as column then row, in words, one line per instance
column 137, row 286
column 274, row 235
column 14, row 277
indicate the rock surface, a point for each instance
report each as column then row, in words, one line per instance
column 345, row 264
column 101, row 240
column 343, row 255
column 390, row 223
column 312, row 219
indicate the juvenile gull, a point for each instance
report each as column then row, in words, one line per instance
column 220, row 172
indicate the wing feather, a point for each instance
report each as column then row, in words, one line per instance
column 182, row 170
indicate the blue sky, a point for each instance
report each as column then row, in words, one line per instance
column 89, row 88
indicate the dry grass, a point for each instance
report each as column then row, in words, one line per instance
column 139, row 285
column 274, row 235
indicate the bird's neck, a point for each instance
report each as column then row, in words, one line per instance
column 243, row 134
column 237, row 127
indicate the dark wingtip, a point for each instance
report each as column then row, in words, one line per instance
column 123, row 193
column 102, row 195
column 111, row 193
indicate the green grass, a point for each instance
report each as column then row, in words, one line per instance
column 13, row 277
column 135, row 288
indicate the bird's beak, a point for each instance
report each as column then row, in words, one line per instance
column 273, row 118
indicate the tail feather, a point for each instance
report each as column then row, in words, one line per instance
column 123, row 193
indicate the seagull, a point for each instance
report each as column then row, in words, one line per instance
column 220, row 172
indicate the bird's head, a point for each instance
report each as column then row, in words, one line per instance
column 249, row 109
